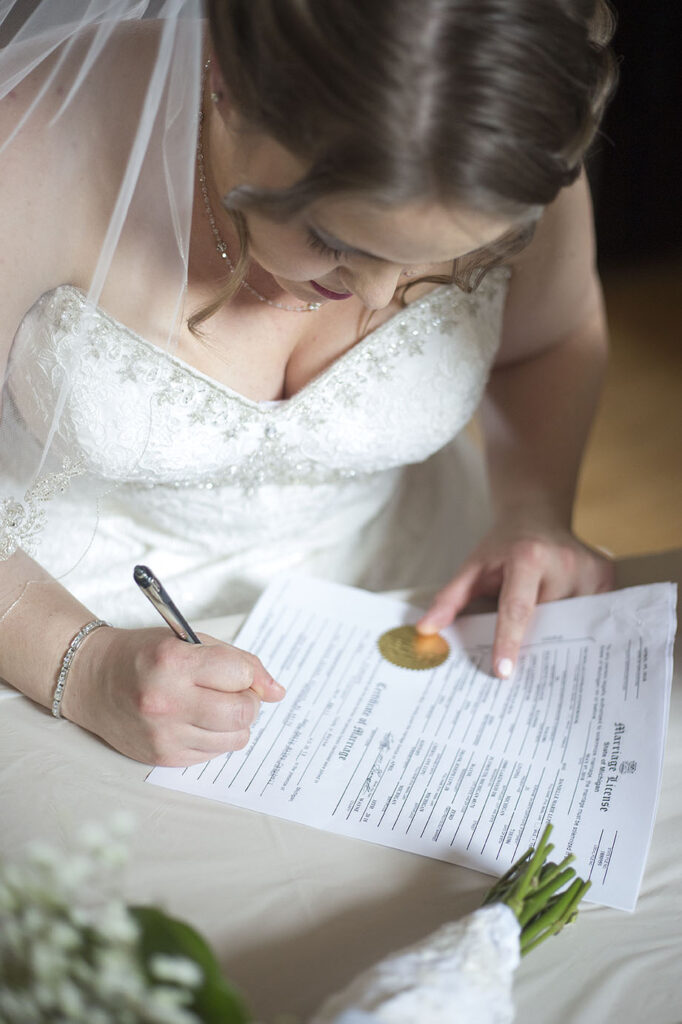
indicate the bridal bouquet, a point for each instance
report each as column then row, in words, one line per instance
column 72, row 952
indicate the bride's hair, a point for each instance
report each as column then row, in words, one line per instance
column 488, row 104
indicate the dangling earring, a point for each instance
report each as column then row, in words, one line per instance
column 214, row 96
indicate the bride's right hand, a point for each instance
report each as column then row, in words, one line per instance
column 162, row 701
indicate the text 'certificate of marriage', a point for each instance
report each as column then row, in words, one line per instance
column 451, row 762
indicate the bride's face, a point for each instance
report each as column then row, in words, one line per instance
column 342, row 246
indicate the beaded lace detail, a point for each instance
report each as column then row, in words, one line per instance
column 22, row 521
column 135, row 414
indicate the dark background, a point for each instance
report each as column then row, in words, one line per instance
column 636, row 163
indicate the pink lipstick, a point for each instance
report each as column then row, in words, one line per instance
column 330, row 295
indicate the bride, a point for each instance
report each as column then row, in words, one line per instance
column 260, row 264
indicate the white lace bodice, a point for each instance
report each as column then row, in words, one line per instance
column 176, row 467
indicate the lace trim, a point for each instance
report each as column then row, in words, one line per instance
column 250, row 445
column 273, row 462
column 187, row 396
column 21, row 522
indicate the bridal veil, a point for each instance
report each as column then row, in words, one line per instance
column 54, row 56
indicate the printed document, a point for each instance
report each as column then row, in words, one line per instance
column 452, row 762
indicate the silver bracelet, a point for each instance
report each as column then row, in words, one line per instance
column 66, row 663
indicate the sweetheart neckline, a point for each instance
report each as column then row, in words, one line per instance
column 259, row 405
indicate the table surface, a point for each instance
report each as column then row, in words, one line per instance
column 293, row 913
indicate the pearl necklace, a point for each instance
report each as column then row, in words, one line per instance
column 221, row 247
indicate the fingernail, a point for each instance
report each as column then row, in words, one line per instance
column 505, row 667
column 277, row 686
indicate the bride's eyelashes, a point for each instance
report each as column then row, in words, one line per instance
column 316, row 243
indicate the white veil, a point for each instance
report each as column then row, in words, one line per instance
column 58, row 63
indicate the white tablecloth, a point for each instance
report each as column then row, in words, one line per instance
column 293, row 912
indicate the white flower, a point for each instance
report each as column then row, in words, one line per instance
column 71, row 874
column 96, row 1015
column 63, row 936
column 11, row 936
column 51, row 910
column 46, row 962
column 17, row 1007
column 114, row 924
column 80, row 917
column 7, row 898
column 176, row 968
column 461, row 973
column 116, row 974
column 93, row 837
column 69, row 1000
column 34, row 920
column 165, row 1006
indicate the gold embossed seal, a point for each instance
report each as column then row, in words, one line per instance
column 405, row 647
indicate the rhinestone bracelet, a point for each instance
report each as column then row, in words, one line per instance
column 66, row 663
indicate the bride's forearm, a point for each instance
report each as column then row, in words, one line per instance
column 137, row 689
column 38, row 619
column 536, row 418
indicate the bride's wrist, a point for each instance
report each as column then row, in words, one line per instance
column 533, row 512
column 36, row 632
column 85, row 681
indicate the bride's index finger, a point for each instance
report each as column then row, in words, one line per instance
column 449, row 601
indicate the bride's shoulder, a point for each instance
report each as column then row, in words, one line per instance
column 78, row 74
column 65, row 135
column 68, row 125
column 84, row 99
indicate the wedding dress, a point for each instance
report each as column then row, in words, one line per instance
column 356, row 477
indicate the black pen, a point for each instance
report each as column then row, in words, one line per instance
column 154, row 590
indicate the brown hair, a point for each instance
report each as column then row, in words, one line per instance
column 489, row 104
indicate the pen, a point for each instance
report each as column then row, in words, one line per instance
column 153, row 589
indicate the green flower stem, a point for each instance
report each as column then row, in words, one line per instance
column 504, row 885
column 528, row 877
column 550, row 870
column 509, row 875
column 553, row 919
column 535, row 903
column 531, row 888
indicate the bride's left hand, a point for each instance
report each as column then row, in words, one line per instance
column 522, row 566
